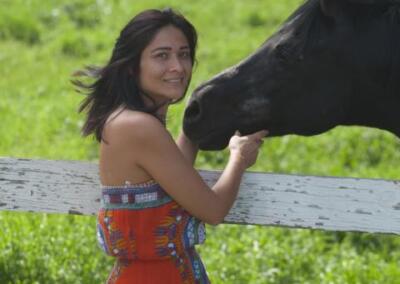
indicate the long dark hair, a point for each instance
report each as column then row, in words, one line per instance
column 115, row 83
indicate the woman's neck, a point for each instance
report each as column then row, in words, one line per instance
column 162, row 109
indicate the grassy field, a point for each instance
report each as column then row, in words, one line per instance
column 43, row 42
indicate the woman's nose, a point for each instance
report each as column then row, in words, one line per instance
column 175, row 64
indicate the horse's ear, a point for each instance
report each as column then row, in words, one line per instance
column 369, row 2
column 330, row 8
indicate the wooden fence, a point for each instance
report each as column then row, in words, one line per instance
column 327, row 203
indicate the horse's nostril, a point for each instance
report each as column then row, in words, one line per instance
column 193, row 112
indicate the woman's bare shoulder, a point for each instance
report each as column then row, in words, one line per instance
column 128, row 124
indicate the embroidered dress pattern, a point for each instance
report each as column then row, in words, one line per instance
column 146, row 230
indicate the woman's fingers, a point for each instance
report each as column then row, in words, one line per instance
column 259, row 135
column 247, row 146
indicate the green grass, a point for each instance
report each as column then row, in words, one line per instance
column 43, row 42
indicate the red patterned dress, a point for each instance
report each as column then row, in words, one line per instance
column 151, row 236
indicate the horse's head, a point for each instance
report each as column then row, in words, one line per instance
column 332, row 62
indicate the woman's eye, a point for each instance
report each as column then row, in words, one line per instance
column 162, row 55
column 185, row 54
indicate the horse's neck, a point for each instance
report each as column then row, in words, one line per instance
column 383, row 113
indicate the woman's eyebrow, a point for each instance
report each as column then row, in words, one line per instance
column 167, row 48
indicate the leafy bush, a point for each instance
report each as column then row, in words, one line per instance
column 75, row 45
column 20, row 28
column 84, row 14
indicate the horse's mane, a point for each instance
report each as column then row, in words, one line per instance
column 309, row 16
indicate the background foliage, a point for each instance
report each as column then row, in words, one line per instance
column 43, row 42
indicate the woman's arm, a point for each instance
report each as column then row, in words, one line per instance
column 188, row 148
column 154, row 150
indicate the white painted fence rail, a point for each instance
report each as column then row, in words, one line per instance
column 328, row 203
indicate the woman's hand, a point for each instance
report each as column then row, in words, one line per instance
column 245, row 148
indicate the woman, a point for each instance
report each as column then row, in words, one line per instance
column 154, row 202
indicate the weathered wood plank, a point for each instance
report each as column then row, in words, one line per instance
column 328, row 203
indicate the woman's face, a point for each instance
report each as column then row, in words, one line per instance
column 165, row 65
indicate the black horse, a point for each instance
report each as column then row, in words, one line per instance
column 333, row 62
